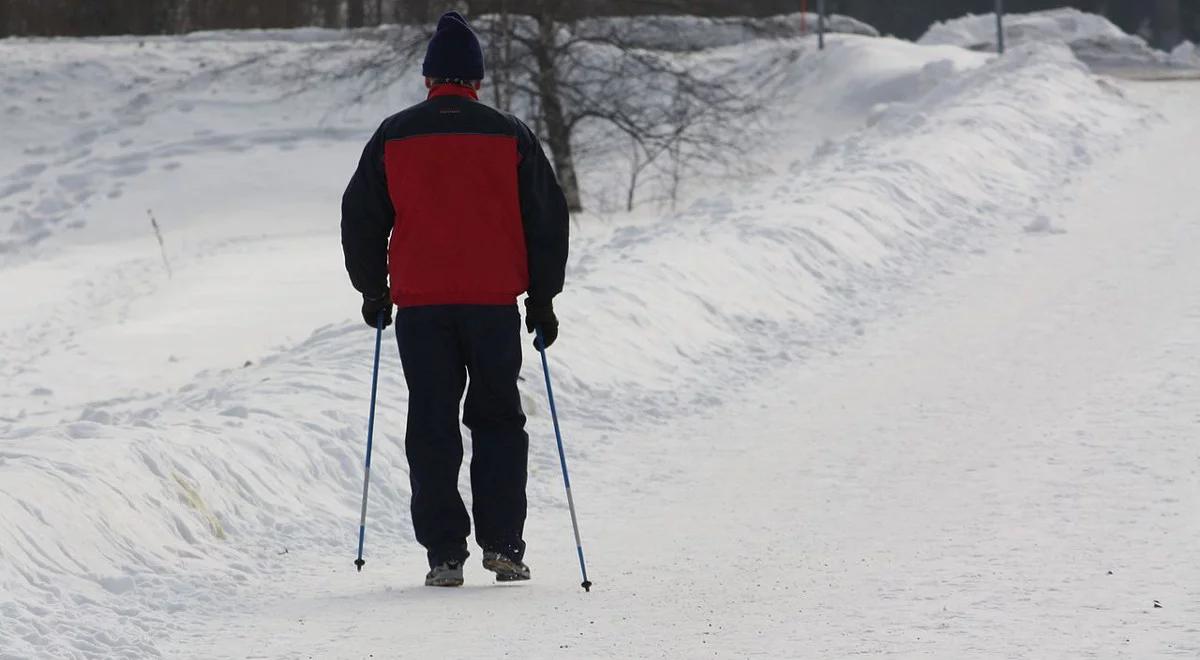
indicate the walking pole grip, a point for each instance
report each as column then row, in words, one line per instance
column 362, row 522
column 562, row 458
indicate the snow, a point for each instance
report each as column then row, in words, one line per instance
column 913, row 385
column 1093, row 38
column 693, row 33
column 1064, row 25
column 1186, row 54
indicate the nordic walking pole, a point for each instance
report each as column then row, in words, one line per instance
column 562, row 457
column 362, row 522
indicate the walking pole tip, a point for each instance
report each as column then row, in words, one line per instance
column 587, row 586
column 359, row 564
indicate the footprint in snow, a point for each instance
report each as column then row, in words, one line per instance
column 1043, row 225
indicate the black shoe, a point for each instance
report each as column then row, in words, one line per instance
column 445, row 574
column 506, row 570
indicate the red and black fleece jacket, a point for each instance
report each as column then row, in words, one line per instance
column 474, row 212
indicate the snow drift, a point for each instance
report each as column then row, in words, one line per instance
column 693, row 33
column 148, row 492
column 1094, row 39
column 1187, row 55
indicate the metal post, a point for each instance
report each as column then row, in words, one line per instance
column 1000, row 25
column 821, row 24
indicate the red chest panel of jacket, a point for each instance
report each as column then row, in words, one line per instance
column 458, row 237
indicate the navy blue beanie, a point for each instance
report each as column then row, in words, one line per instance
column 454, row 51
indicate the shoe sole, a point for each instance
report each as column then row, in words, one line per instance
column 506, row 571
column 444, row 582
column 446, row 579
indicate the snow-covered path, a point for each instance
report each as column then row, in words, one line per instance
column 790, row 435
column 1005, row 464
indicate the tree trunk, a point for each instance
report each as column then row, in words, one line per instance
column 635, row 168
column 330, row 13
column 558, row 133
column 415, row 12
column 354, row 13
column 499, row 60
column 1167, row 24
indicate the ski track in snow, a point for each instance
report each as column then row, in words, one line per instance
column 899, row 396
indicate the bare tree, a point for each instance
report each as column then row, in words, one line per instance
column 545, row 50
column 1168, row 26
column 500, row 51
column 589, row 83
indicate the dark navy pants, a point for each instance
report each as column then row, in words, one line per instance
column 446, row 349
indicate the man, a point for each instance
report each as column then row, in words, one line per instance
column 476, row 218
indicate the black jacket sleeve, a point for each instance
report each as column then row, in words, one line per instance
column 544, row 215
column 367, row 217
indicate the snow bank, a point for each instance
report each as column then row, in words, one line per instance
column 693, row 33
column 134, row 495
column 1066, row 25
column 1094, row 39
column 1187, row 55
column 82, row 120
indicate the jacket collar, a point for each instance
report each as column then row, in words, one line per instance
column 450, row 89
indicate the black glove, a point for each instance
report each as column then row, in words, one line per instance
column 372, row 305
column 540, row 315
